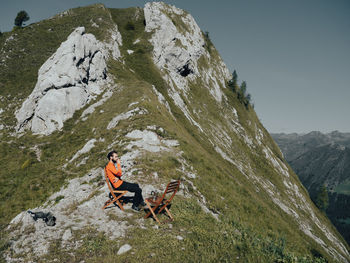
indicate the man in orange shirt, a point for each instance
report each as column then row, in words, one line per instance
column 114, row 173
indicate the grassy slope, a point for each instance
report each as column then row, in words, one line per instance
column 23, row 186
column 251, row 228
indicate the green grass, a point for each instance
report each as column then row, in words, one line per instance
column 204, row 240
column 251, row 227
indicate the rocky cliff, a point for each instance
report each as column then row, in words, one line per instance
column 148, row 83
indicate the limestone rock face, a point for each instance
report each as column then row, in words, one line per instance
column 178, row 49
column 173, row 49
column 178, row 45
column 67, row 81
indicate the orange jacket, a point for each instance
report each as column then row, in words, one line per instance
column 114, row 174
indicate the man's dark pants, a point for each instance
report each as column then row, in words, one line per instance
column 134, row 188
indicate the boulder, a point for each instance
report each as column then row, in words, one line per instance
column 74, row 75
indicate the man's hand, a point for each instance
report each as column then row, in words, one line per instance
column 118, row 161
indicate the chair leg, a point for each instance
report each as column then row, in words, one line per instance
column 151, row 211
column 107, row 203
column 119, row 204
column 164, row 206
column 149, row 207
column 167, row 210
column 115, row 200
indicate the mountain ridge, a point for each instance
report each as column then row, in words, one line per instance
column 297, row 148
column 171, row 116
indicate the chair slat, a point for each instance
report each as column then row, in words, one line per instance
column 173, row 184
column 172, row 188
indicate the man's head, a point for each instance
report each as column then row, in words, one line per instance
column 112, row 156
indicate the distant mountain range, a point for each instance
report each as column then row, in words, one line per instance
column 322, row 159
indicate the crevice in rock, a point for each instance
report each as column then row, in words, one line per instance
column 185, row 70
column 80, row 61
column 24, row 123
column 87, row 78
column 65, row 86
column 93, row 55
column 45, row 91
column 43, row 120
column 90, row 56
column 68, row 85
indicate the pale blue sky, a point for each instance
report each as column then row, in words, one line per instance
column 294, row 55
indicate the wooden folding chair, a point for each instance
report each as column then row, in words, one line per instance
column 115, row 198
column 160, row 203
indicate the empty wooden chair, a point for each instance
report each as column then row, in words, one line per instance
column 115, row 194
column 160, row 203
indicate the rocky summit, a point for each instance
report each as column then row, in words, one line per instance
column 150, row 84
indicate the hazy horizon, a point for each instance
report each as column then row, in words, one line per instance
column 294, row 55
column 304, row 133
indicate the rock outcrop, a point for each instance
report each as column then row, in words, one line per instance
column 178, row 45
column 74, row 207
column 67, row 81
column 77, row 205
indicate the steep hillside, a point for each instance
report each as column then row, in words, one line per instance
column 148, row 83
column 323, row 159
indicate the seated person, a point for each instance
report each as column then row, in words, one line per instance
column 114, row 173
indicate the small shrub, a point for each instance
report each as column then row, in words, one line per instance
column 232, row 83
column 130, row 26
column 22, row 16
column 242, row 95
column 208, row 43
column 322, row 200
